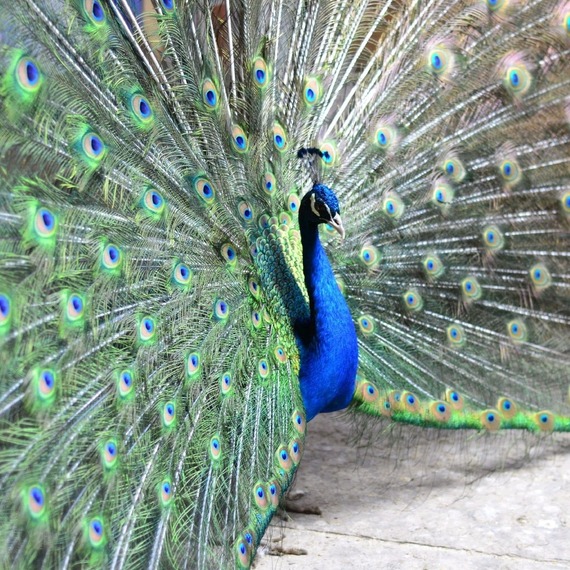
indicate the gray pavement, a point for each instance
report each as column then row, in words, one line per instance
column 425, row 499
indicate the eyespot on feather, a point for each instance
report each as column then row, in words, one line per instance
column 544, row 421
column 125, row 384
column 34, row 502
column 239, row 139
column 413, row 301
column 517, row 331
column 471, row 289
column 254, row 288
column 28, row 78
column 44, row 384
column 263, row 368
column 93, row 147
column 44, row 225
column 141, row 110
column 229, row 254
column 370, row 256
column 205, row 190
column 368, row 392
column 243, row 553
column 565, row 203
column 280, row 355
column 516, row 74
column 493, row 239
column 245, row 211
column 269, row 183
column 73, row 309
column 260, row 496
column 561, row 19
column 255, row 319
column 312, row 91
column 442, row 196
column 95, row 12
column 284, row 459
column 366, row 324
column 454, row 169
column 497, row 6
column 168, row 414
column 165, row 492
column 95, row 532
column 274, row 492
column 153, row 202
column 210, row 95
column 433, row 266
column 111, row 258
column 510, row 172
column 490, row 420
column 226, row 386
column 192, row 364
column 249, row 537
column 439, row 59
column 181, row 275
column 295, row 450
column 109, row 454
column 146, row 329
column 285, row 219
column 5, row 313
column 330, row 154
column 507, row 408
column 279, row 138
column 456, row 335
column 384, row 407
column 440, row 411
column 260, row 72
column 168, row 5
column 394, row 398
column 215, row 448
column 540, row 277
column 299, row 423
column 393, row 206
column 221, row 310
column 386, row 136
column 293, row 202
column 455, row 399
column 410, row 403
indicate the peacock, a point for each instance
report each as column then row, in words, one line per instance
column 221, row 218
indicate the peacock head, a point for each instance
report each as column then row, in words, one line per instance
column 320, row 206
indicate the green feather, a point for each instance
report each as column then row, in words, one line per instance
column 151, row 268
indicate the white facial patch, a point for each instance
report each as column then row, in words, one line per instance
column 315, row 211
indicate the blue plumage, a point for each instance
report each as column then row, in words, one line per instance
column 327, row 341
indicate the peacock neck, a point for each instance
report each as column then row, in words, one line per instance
column 328, row 347
column 319, row 280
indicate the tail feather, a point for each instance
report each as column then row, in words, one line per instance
column 463, row 275
column 151, row 271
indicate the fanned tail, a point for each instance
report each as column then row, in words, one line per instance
column 450, row 157
column 151, row 270
column 150, row 413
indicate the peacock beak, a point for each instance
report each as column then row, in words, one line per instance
column 336, row 223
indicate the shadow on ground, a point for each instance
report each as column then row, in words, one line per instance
column 425, row 499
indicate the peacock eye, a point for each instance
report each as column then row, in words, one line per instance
column 322, row 209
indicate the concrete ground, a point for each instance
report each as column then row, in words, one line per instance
column 425, row 499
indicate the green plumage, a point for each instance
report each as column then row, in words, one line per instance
column 151, row 264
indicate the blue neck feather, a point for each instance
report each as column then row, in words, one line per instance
column 327, row 342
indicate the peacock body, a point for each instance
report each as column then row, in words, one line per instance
column 175, row 303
